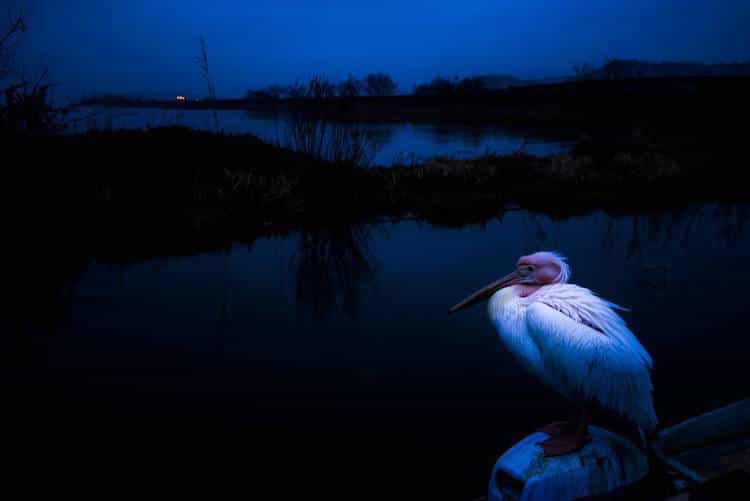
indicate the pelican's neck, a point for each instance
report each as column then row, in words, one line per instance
column 525, row 290
column 504, row 305
column 508, row 306
column 507, row 310
column 512, row 298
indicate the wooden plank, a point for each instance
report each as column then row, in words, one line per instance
column 715, row 426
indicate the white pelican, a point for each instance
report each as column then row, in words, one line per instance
column 572, row 340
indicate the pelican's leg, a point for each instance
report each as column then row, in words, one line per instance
column 569, row 440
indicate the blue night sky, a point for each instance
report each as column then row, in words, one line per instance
column 148, row 47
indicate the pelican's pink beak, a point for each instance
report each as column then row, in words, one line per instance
column 487, row 291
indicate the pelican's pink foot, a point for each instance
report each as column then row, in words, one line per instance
column 557, row 428
column 565, row 443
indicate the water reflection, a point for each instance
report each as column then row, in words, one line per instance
column 331, row 266
column 477, row 138
column 637, row 234
column 640, row 239
column 399, row 375
column 334, row 269
column 393, row 141
column 380, row 136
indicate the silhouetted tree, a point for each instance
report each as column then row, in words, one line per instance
column 274, row 91
column 439, row 86
column 25, row 108
column 470, row 85
column 583, row 71
column 271, row 92
column 295, row 90
column 320, row 87
column 380, row 84
column 351, row 87
column 616, row 69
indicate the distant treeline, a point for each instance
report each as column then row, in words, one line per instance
column 379, row 85
column 574, row 105
column 620, row 69
column 383, row 84
column 118, row 100
column 319, row 87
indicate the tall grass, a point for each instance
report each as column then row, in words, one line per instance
column 202, row 61
column 328, row 141
column 25, row 109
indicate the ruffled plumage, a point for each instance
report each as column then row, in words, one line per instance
column 575, row 341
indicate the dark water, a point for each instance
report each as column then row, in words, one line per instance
column 403, row 142
column 324, row 362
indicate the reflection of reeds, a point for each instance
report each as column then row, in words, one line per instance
column 331, row 266
column 334, row 262
column 639, row 235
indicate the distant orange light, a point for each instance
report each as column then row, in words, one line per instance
column 180, row 98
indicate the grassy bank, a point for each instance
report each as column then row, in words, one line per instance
column 133, row 194
column 179, row 168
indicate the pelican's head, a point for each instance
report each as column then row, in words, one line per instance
column 533, row 271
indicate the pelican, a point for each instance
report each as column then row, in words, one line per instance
column 572, row 340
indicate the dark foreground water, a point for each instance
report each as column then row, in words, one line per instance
column 391, row 142
column 325, row 362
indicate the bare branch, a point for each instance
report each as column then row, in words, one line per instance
column 9, row 35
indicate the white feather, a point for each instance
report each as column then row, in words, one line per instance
column 562, row 262
column 574, row 341
column 585, row 307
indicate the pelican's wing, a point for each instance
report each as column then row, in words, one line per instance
column 594, row 364
column 583, row 306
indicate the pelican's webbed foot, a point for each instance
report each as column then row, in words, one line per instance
column 564, row 443
column 558, row 428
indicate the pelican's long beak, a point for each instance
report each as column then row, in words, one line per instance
column 487, row 291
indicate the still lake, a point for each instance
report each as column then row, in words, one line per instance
column 406, row 142
column 325, row 362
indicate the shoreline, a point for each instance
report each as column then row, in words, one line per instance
column 179, row 168
column 578, row 105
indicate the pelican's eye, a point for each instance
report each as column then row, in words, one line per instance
column 526, row 270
